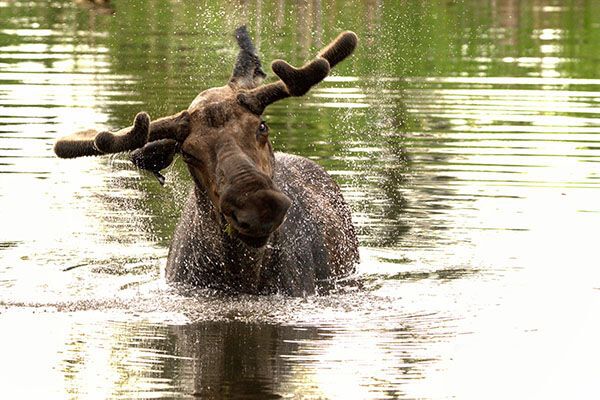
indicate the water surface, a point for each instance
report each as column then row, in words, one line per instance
column 465, row 135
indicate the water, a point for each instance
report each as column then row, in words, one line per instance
column 465, row 136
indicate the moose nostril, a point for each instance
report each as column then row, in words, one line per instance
column 244, row 225
column 241, row 224
column 260, row 214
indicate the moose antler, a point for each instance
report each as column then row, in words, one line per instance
column 94, row 143
column 155, row 142
column 298, row 81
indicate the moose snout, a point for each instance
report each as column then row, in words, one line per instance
column 255, row 214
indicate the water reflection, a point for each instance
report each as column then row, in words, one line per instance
column 464, row 135
column 239, row 360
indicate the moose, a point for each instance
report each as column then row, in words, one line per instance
column 256, row 221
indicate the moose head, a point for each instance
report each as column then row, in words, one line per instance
column 222, row 138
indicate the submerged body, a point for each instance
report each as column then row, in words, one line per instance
column 316, row 242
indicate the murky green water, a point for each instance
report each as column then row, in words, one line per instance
column 465, row 135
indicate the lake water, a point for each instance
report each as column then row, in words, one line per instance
column 465, row 136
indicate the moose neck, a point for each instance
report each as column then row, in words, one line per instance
column 241, row 264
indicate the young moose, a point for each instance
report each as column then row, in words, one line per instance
column 255, row 221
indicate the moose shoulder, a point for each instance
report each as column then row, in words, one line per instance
column 256, row 221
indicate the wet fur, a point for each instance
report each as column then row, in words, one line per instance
column 315, row 243
column 232, row 234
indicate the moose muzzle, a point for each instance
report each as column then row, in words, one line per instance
column 254, row 215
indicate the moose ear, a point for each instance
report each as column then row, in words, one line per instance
column 247, row 72
column 155, row 156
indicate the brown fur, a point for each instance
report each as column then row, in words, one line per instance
column 77, row 145
column 340, row 48
column 94, row 143
column 243, row 191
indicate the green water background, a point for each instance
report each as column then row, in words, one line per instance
column 464, row 135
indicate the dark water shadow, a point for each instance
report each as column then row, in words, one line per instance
column 237, row 360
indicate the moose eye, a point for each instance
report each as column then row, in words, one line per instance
column 263, row 133
column 263, row 128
